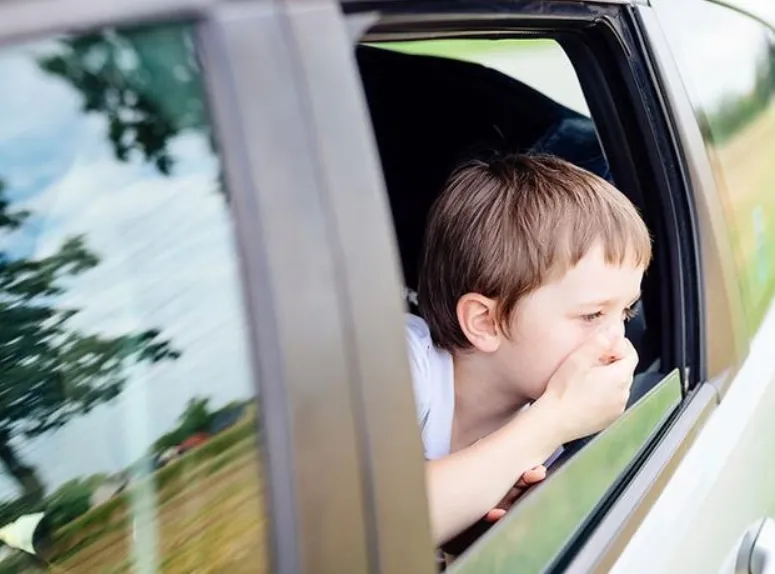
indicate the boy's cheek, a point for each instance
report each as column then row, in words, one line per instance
column 539, row 354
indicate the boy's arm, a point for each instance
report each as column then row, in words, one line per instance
column 464, row 486
column 586, row 393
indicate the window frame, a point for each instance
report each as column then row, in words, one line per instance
column 312, row 467
column 398, row 529
column 657, row 156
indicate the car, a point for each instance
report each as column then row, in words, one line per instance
column 216, row 202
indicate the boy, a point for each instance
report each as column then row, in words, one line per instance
column 530, row 269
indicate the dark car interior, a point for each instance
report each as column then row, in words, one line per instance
column 431, row 113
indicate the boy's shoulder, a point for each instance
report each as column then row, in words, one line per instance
column 420, row 347
column 433, row 385
column 416, row 327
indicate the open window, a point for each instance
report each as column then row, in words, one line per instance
column 436, row 103
column 440, row 88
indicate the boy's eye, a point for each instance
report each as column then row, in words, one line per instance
column 630, row 312
column 592, row 316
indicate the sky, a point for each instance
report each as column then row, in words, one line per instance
column 167, row 261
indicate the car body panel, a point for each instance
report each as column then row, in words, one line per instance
column 393, row 479
column 724, row 484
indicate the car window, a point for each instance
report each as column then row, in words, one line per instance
column 732, row 94
column 467, row 96
column 128, row 409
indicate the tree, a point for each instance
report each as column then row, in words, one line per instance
column 72, row 499
column 146, row 83
column 197, row 416
column 50, row 371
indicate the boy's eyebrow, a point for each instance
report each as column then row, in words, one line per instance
column 608, row 302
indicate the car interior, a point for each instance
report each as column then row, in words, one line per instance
column 430, row 113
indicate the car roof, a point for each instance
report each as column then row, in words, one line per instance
column 761, row 10
column 620, row 2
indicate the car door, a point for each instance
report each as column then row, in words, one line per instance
column 616, row 477
column 175, row 394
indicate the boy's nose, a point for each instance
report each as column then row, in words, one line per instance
column 615, row 330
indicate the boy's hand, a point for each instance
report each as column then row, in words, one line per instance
column 591, row 387
column 529, row 478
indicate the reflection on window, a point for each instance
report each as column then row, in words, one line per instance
column 733, row 92
column 127, row 408
column 541, row 64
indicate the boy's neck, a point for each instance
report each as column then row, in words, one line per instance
column 484, row 402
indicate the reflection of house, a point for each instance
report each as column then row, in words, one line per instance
column 109, row 488
column 193, row 441
column 226, row 418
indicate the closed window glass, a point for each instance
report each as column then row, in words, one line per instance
column 128, row 410
column 732, row 91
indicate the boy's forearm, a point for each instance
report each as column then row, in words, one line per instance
column 464, row 486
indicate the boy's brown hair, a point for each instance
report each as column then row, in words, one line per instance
column 505, row 226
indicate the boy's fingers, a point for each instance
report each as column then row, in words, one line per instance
column 532, row 476
column 538, row 473
column 529, row 477
column 495, row 515
column 626, row 362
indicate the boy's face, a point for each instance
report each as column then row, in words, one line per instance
column 552, row 321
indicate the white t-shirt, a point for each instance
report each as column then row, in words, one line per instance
column 434, row 389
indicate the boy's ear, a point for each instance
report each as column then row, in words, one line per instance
column 477, row 317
